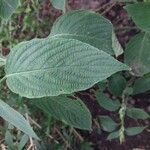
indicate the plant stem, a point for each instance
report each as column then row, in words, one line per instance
column 122, row 113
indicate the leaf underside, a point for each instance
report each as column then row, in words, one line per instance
column 54, row 66
column 7, row 7
column 73, row 112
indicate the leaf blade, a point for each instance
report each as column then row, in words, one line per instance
column 137, row 113
column 85, row 26
column 140, row 14
column 54, row 66
column 16, row 119
column 106, row 102
column 73, row 112
column 135, row 130
column 7, row 7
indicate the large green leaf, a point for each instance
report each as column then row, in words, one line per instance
column 140, row 14
column 59, row 4
column 73, row 112
column 54, row 66
column 106, row 102
column 142, row 85
column 137, row 113
column 16, row 119
column 137, row 54
column 87, row 27
column 7, row 7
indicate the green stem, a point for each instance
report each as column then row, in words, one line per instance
column 122, row 113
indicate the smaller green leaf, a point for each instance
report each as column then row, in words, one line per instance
column 106, row 102
column 140, row 14
column 113, row 135
column 137, row 113
column 59, row 4
column 23, row 142
column 107, row 123
column 142, row 84
column 117, row 84
column 9, row 140
column 135, row 130
column 137, row 54
column 72, row 112
column 116, row 45
column 7, row 7
column 16, row 119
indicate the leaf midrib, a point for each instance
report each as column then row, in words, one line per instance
column 45, row 70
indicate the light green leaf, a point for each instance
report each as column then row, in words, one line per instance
column 142, row 84
column 59, row 4
column 137, row 113
column 113, row 135
column 134, row 130
column 16, row 119
column 117, row 84
column 2, row 61
column 23, row 142
column 106, row 102
column 9, row 140
column 87, row 27
column 137, row 54
column 107, row 123
column 140, row 14
column 7, row 7
column 73, row 112
column 118, row 50
column 54, row 66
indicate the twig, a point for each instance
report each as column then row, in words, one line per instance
column 3, row 147
column 109, row 8
column 31, row 146
column 37, row 125
column 60, row 134
column 78, row 135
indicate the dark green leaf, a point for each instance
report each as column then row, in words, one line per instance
column 117, row 84
column 73, row 112
column 142, row 85
column 107, row 123
column 137, row 113
column 137, row 54
column 134, row 130
column 113, row 135
column 140, row 15
column 106, row 102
